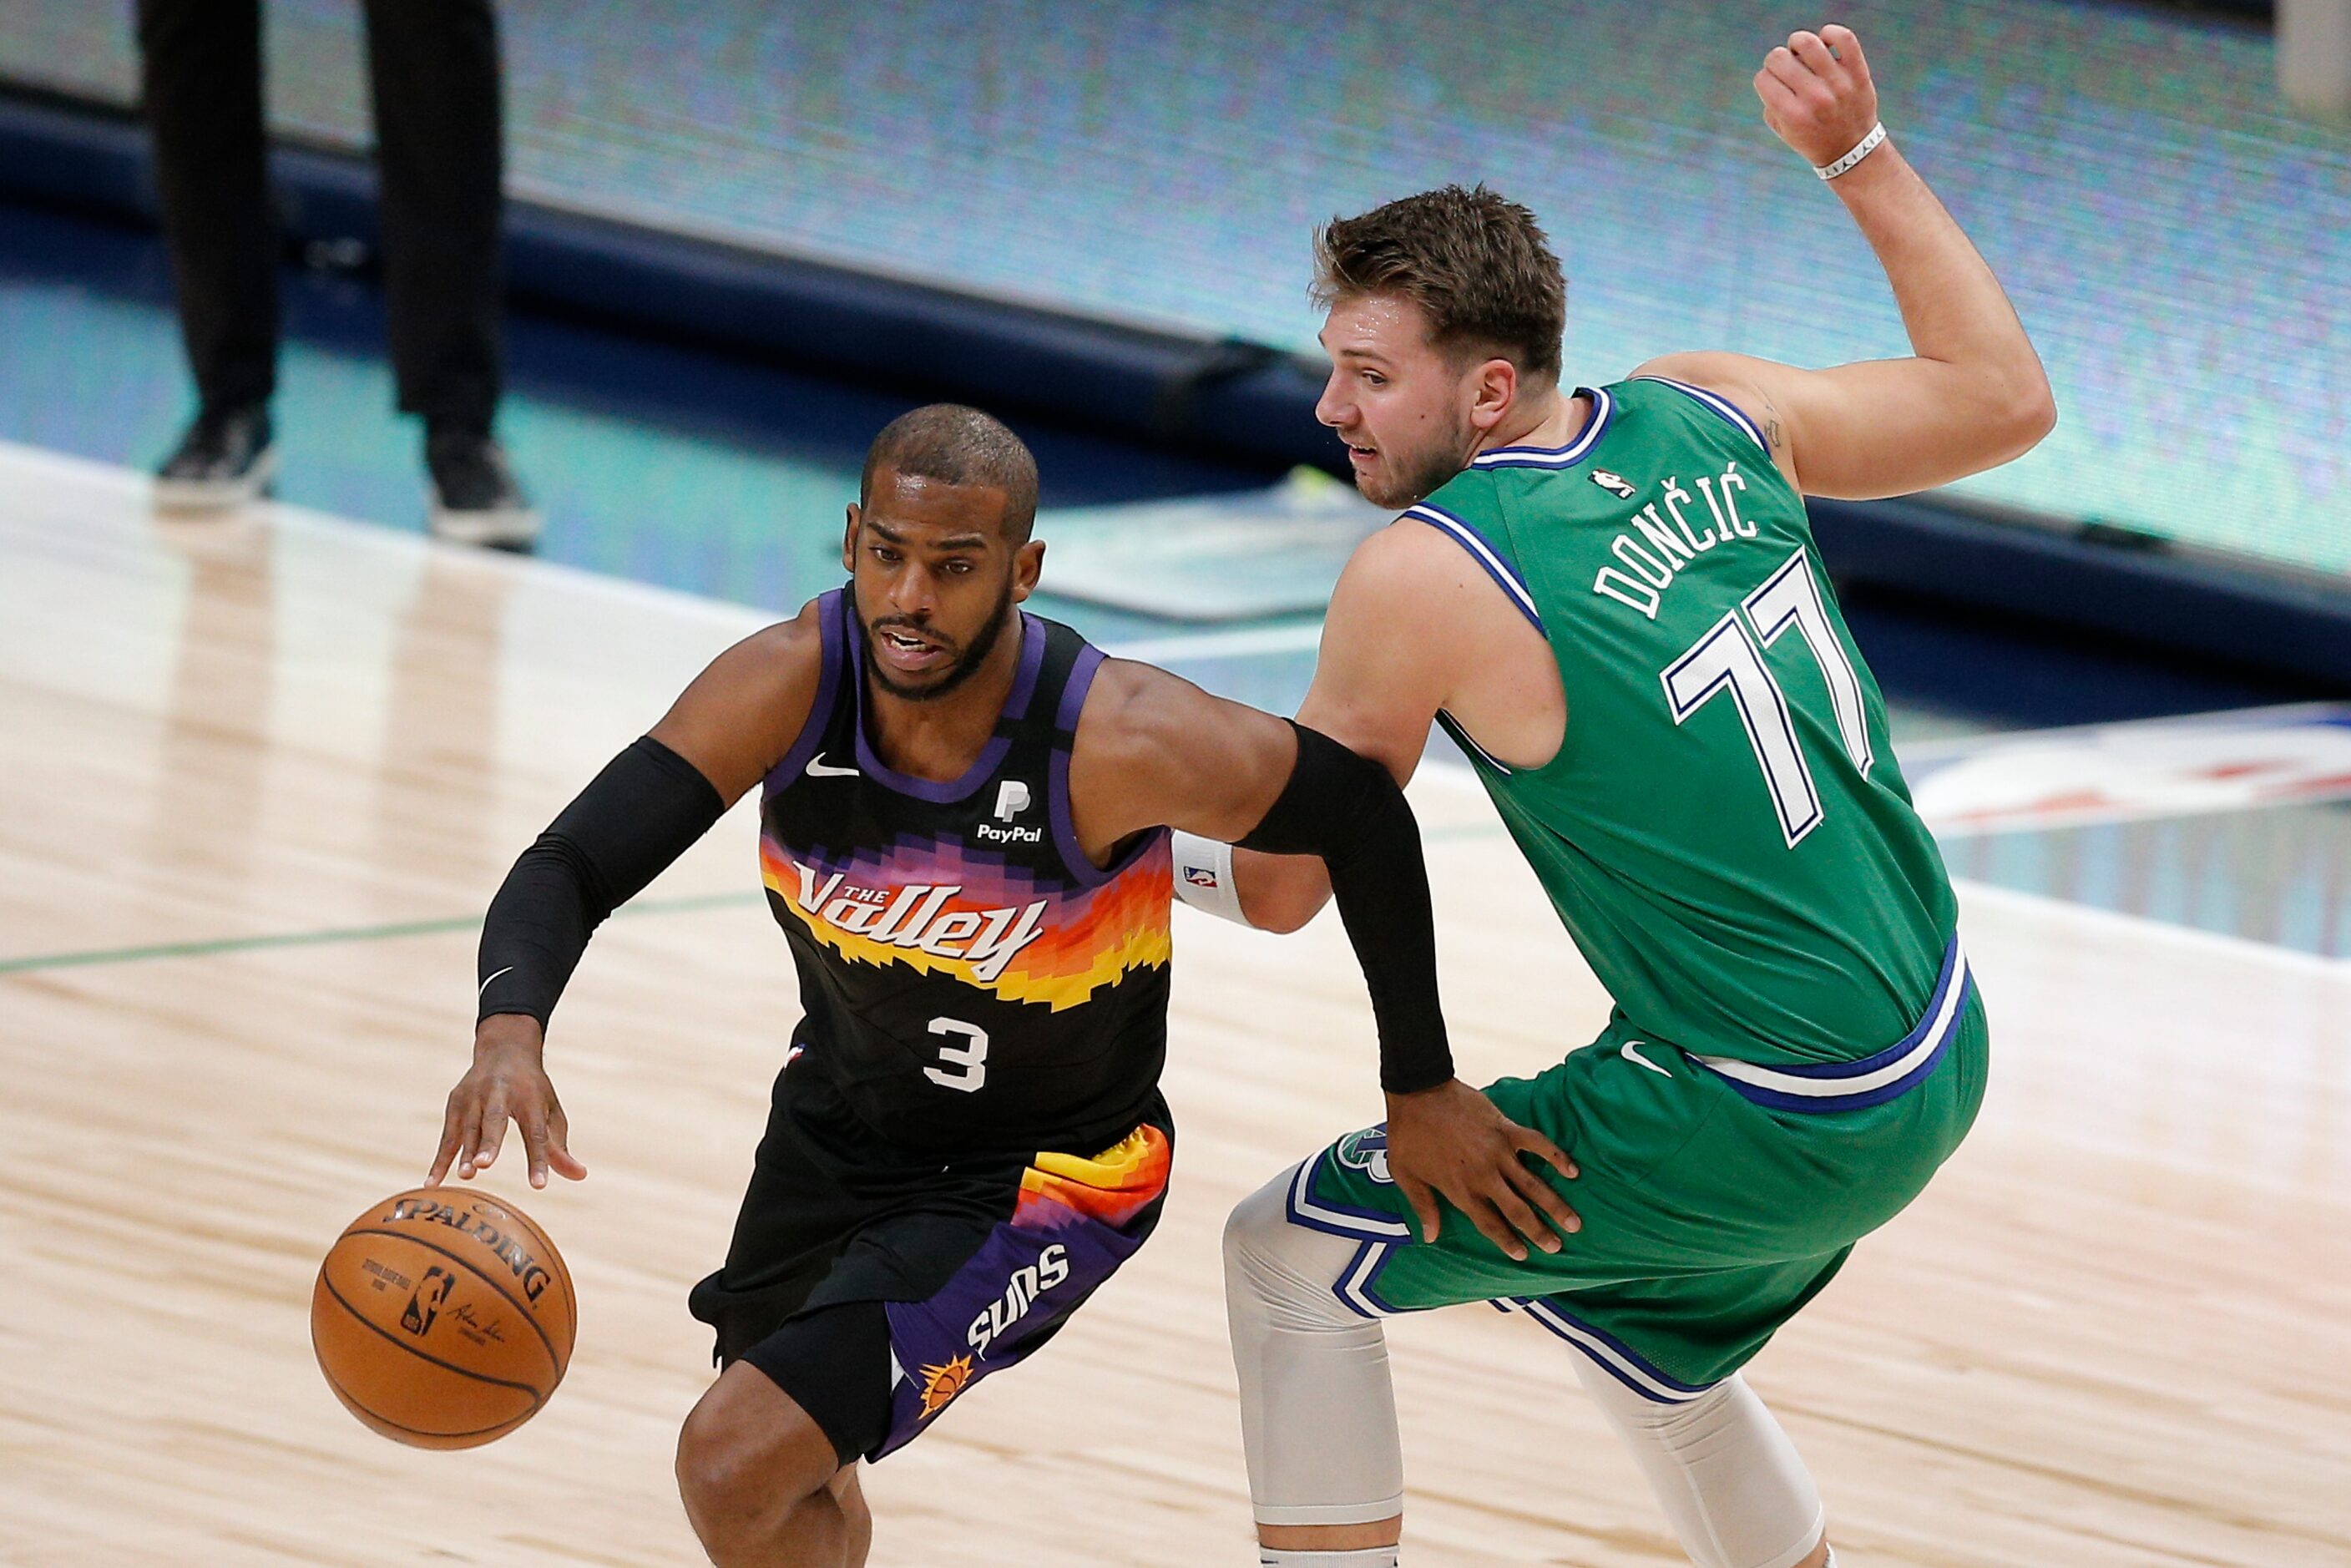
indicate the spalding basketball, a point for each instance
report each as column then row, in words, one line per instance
column 442, row 1318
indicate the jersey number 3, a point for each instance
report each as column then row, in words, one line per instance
column 1729, row 658
column 965, row 1050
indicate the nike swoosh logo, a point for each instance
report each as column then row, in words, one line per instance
column 818, row 769
column 486, row 984
column 1631, row 1051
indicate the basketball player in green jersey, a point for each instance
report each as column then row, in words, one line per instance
column 1615, row 604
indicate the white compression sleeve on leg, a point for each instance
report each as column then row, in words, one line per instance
column 1731, row 1484
column 1318, row 1414
column 1204, row 875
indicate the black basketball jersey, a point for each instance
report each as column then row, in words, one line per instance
column 971, row 981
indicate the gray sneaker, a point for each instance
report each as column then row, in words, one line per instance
column 476, row 501
column 225, row 459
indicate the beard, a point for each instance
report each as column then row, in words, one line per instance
column 1408, row 477
column 966, row 662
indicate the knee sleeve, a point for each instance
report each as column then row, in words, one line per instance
column 1318, row 1414
column 1731, row 1484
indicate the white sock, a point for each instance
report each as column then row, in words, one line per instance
column 1368, row 1557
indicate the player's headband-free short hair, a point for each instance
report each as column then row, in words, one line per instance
column 1476, row 264
column 957, row 444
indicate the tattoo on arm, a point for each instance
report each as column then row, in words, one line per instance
column 1771, row 427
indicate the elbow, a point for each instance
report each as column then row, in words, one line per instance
column 1281, row 911
column 1282, row 892
column 2026, row 414
column 2037, row 415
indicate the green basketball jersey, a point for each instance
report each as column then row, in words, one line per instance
column 1724, row 830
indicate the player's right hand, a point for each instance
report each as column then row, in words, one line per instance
column 1817, row 95
column 506, row 1082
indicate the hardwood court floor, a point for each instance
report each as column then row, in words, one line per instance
column 257, row 778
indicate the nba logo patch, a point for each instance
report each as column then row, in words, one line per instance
column 1367, row 1150
column 1200, row 876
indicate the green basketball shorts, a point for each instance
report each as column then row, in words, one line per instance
column 1718, row 1198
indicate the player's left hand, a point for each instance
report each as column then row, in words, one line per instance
column 1817, row 95
column 1451, row 1140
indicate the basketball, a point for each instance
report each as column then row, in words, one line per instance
column 442, row 1318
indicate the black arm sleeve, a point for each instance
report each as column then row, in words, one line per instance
column 634, row 818
column 1347, row 810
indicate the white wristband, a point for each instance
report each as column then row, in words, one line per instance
column 1204, row 875
column 1867, row 145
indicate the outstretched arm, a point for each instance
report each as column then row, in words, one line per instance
column 1153, row 749
column 634, row 819
column 1973, row 394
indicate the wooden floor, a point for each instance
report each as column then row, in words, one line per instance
column 258, row 777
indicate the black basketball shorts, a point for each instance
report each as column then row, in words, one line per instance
column 875, row 1283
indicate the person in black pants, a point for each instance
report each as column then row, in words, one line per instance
column 434, row 73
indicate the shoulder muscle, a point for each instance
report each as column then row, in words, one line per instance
column 740, row 715
column 1154, row 749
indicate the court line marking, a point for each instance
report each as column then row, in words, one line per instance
column 334, row 935
column 328, row 936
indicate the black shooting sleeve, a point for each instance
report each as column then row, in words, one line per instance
column 643, row 811
column 1347, row 810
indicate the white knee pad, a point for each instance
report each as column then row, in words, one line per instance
column 1734, row 1488
column 1318, row 1414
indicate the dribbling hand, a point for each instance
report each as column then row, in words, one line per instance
column 1817, row 95
column 506, row 1082
column 1451, row 1140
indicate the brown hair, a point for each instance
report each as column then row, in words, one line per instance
column 957, row 444
column 1476, row 265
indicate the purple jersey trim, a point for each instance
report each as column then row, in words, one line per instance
column 829, row 619
column 991, row 756
column 1082, row 871
column 1073, row 694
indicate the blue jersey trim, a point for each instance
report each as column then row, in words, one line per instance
column 1303, row 1207
column 1468, row 743
column 1606, row 1350
column 1719, row 404
column 1898, row 1069
column 1604, row 408
column 1498, row 569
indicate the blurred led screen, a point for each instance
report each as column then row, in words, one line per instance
column 2179, row 245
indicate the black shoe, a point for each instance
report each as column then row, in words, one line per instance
column 475, row 498
column 225, row 459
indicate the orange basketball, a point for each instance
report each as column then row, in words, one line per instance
column 442, row 1318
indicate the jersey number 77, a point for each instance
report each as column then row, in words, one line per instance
column 1729, row 658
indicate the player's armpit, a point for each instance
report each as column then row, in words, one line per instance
column 741, row 715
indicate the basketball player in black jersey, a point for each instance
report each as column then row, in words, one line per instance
column 964, row 813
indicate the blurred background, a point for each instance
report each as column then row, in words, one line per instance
column 740, row 237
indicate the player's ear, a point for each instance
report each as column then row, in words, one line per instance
column 1494, row 387
column 849, row 541
column 1028, row 562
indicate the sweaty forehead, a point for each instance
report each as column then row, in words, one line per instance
column 916, row 501
column 1382, row 324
